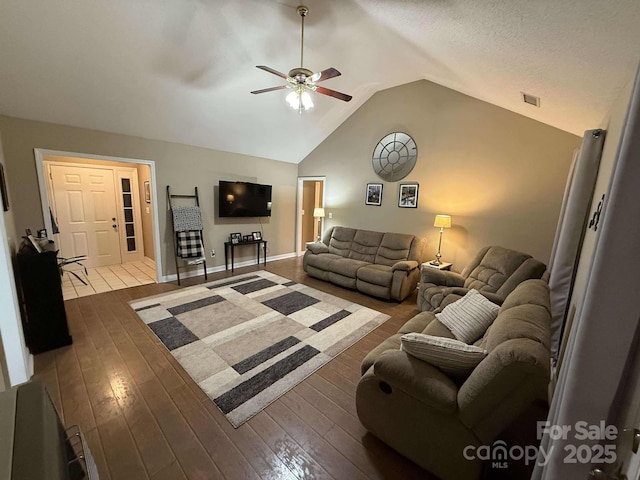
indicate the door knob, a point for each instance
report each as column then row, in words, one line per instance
column 114, row 225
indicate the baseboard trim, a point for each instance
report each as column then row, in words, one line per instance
column 221, row 268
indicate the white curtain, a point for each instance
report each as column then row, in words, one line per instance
column 601, row 340
column 570, row 232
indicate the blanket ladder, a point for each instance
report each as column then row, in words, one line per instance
column 171, row 196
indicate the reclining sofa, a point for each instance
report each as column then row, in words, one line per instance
column 385, row 265
column 430, row 416
column 494, row 272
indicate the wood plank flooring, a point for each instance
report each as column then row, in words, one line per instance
column 144, row 418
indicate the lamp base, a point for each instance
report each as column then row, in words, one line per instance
column 435, row 263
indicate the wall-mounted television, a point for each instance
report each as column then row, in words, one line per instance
column 244, row 199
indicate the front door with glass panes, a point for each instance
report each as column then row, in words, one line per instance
column 97, row 210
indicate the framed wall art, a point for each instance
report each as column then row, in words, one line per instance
column 408, row 195
column 374, row 194
column 3, row 190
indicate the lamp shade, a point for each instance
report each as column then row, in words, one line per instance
column 442, row 221
column 318, row 212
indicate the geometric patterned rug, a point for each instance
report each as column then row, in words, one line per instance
column 248, row 339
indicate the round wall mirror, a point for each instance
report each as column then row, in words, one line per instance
column 394, row 156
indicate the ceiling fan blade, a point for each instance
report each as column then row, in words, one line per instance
column 264, row 90
column 325, row 75
column 334, row 94
column 271, row 70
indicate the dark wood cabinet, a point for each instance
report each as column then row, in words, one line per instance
column 43, row 315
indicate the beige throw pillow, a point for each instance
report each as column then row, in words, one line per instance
column 449, row 355
column 469, row 317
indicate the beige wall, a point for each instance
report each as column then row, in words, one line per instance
column 499, row 175
column 181, row 166
column 146, row 212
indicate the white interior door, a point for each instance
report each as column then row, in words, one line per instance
column 85, row 207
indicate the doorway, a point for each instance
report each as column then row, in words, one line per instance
column 102, row 211
column 310, row 197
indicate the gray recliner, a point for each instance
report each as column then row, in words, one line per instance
column 495, row 272
column 431, row 417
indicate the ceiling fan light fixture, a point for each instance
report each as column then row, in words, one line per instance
column 299, row 99
column 302, row 80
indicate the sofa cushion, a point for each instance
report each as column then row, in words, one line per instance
column 376, row 274
column 524, row 321
column 469, row 317
column 341, row 239
column 528, row 292
column 437, row 329
column 393, row 248
column 493, row 268
column 449, row 355
column 323, row 261
column 365, row 245
column 418, row 323
column 347, row 267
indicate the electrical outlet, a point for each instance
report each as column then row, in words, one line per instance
column 330, row 214
column 213, row 253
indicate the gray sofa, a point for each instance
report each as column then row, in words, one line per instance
column 430, row 417
column 385, row 265
column 494, row 272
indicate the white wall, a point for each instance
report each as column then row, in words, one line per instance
column 16, row 361
column 613, row 125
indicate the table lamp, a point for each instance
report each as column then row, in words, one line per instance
column 319, row 214
column 442, row 221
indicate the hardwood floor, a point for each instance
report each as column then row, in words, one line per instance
column 144, row 418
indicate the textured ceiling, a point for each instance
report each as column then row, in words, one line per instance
column 182, row 70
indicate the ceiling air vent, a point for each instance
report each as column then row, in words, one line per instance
column 530, row 99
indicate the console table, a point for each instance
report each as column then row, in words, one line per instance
column 232, row 246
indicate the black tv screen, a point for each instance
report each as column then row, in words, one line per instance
column 244, row 199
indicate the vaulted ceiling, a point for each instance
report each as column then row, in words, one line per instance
column 182, row 70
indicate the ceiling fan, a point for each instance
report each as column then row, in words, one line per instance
column 300, row 80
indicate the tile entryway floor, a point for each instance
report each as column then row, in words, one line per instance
column 104, row 279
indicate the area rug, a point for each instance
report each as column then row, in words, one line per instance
column 248, row 339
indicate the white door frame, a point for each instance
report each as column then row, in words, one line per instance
column 301, row 180
column 40, row 153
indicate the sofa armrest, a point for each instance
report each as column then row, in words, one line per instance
column 444, row 278
column 405, row 265
column 317, row 247
column 511, row 377
column 417, row 378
